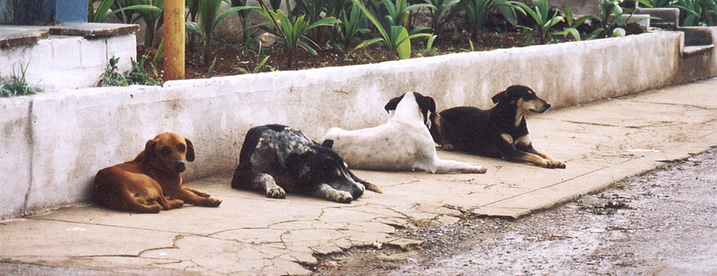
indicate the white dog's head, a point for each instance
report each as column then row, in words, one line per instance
column 415, row 105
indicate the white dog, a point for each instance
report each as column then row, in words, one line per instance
column 402, row 144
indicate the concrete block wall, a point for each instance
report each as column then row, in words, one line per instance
column 67, row 62
column 54, row 143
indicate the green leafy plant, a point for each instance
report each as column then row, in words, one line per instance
column 697, row 12
column 136, row 75
column 573, row 23
column 544, row 18
column 396, row 36
column 17, row 85
column 612, row 18
column 209, row 18
column 354, row 23
column 477, row 13
column 102, row 13
column 292, row 33
column 246, row 24
column 112, row 76
column 440, row 12
column 259, row 65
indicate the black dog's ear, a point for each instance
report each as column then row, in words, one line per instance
column 190, row 150
column 428, row 103
column 328, row 143
column 392, row 103
column 498, row 97
column 149, row 148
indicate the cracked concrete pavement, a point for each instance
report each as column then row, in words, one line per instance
column 250, row 234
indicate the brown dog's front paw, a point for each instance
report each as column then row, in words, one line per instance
column 212, row 202
column 175, row 203
column 276, row 192
column 555, row 164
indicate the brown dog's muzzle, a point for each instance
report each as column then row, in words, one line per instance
column 180, row 166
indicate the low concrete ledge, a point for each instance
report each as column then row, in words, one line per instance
column 54, row 143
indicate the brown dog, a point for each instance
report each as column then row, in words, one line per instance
column 152, row 181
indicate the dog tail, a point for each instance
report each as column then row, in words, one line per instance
column 369, row 186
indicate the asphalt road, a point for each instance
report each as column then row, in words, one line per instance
column 659, row 223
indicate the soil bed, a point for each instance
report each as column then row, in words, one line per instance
column 230, row 55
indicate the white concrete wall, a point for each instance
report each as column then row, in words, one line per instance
column 67, row 62
column 54, row 143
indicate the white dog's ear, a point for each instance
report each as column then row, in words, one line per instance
column 328, row 143
column 392, row 103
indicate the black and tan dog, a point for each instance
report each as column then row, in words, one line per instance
column 279, row 159
column 498, row 132
column 152, row 181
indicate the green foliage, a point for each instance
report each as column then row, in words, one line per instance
column 697, row 12
column 573, row 23
column 129, row 11
column 136, row 75
column 259, row 65
column 544, row 18
column 246, row 24
column 102, row 13
column 354, row 23
column 292, row 33
column 396, row 36
column 440, row 12
column 209, row 18
column 17, row 85
column 478, row 11
column 615, row 26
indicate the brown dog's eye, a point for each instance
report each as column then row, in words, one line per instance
column 181, row 148
column 164, row 151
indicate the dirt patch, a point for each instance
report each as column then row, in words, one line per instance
column 658, row 223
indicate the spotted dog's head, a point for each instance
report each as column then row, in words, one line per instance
column 522, row 98
column 321, row 165
column 425, row 104
column 168, row 152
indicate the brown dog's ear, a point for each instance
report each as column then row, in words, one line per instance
column 149, row 148
column 498, row 97
column 190, row 150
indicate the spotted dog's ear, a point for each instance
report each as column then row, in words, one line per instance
column 328, row 143
column 392, row 103
column 498, row 97
column 190, row 150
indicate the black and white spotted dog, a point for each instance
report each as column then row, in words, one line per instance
column 280, row 159
column 402, row 144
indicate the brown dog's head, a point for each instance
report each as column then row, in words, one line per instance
column 169, row 152
column 523, row 98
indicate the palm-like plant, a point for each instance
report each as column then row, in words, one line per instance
column 478, row 11
column 573, row 23
column 394, row 35
column 209, row 18
column 293, row 32
column 545, row 18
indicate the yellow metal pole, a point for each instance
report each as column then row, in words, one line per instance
column 173, row 39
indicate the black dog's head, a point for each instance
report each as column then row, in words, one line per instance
column 522, row 98
column 425, row 104
column 322, row 165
